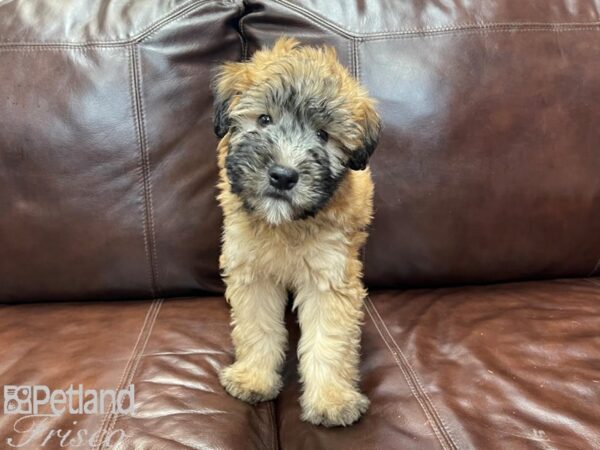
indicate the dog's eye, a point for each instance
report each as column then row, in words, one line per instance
column 322, row 134
column 264, row 120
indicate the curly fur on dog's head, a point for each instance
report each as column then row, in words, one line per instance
column 295, row 108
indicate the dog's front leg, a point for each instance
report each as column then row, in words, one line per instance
column 329, row 351
column 259, row 337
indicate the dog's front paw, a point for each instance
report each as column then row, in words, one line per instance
column 341, row 408
column 250, row 384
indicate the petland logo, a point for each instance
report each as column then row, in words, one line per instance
column 37, row 405
column 27, row 400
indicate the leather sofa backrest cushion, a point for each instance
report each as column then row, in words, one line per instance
column 489, row 166
column 487, row 170
column 107, row 154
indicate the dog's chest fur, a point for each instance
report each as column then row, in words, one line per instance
column 291, row 255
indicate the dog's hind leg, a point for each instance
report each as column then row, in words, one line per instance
column 329, row 348
column 260, row 339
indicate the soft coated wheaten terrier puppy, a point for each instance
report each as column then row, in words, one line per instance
column 297, row 132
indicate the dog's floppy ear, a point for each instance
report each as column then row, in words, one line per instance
column 371, row 129
column 226, row 84
column 232, row 78
column 221, row 117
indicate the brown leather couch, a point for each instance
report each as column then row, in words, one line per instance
column 483, row 321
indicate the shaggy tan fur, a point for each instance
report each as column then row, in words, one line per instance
column 316, row 258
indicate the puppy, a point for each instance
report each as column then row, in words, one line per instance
column 297, row 132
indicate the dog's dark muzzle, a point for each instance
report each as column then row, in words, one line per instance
column 283, row 178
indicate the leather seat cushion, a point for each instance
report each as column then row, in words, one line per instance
column 501, row 366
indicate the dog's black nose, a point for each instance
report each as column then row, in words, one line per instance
column 282, row 177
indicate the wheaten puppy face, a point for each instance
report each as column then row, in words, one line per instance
column 297, row 122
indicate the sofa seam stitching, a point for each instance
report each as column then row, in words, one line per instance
column 492, row 27
column 437, row 423
column 243, row 36
column 353, row 54
column 273, row 418
column 140, row 168
column 354, row 65
column 437, row 414
column 349, row 44
column 148, row 314
column 138, row 357
column 340, row 30
column 148, row 190
column 466, row 32
column 410, row 384
column 357, row 56
column 182, row 13
column 122, row 379
column 143, row 34
column 52, row 47
column 147, row 208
